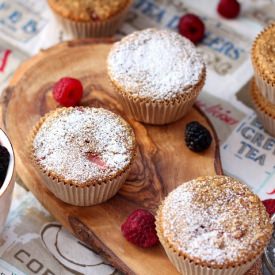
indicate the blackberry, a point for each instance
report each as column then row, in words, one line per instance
column 4, row 163
column 197, row 137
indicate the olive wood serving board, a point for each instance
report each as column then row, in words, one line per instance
column 163, row 160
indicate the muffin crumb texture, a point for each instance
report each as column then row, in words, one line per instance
column 87, row 10
column 155, row 64
column 84, row 144
column 215, row 221
column 263, row 54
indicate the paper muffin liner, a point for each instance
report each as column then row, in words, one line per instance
column 267, row 89
column 87, row 195
column 154, row 112
column 187, row 266
column 102, row 28
column 184, row 266
column 267, row 118
column 78, row 195
column 160, row 112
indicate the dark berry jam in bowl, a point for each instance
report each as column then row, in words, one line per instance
column 6, row 187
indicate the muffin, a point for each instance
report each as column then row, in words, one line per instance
column 213, row 225
column 264, row 109
column 90, row 18
column 158, row 75
column 263, row 60
column 83, row 154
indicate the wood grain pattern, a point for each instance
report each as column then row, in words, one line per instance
column 163, row 160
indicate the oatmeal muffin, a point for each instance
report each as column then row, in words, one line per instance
column 90, row 18
column 213, row 225
column 263, row 60
column 84, row 154
column 158, row 75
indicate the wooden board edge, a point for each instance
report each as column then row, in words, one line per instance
column 83, row 233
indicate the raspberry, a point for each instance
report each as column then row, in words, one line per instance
column 68, row 91
column 140, row 229
column 270, row 206
column 229, row 8
column 4, row 163
column 95, row 158
column 192, row 27
column 197, row 137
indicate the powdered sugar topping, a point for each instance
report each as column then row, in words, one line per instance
column 215, row 219
column 84, row 144
column 155, row 64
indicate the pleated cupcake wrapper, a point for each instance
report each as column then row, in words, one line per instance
column 155, row 112
column 267, row 90
column 87, row 195
column 188, row 267
column 267, row 120
column 104, row 28
column 160, row 113
column 184, row 266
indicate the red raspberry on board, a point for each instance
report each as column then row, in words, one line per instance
column 229, row 8
column 68, row 91
column 139, row 229
column 270, row 206
column 191, row 27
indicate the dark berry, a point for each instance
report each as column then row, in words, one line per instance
column 4, row 163
column 197, row 137
column 229, row 8
column 270, row 206
column 68, row 91
column 140, row 229
column 191, row 27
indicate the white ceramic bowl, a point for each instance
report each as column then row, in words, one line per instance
column 8, row 185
